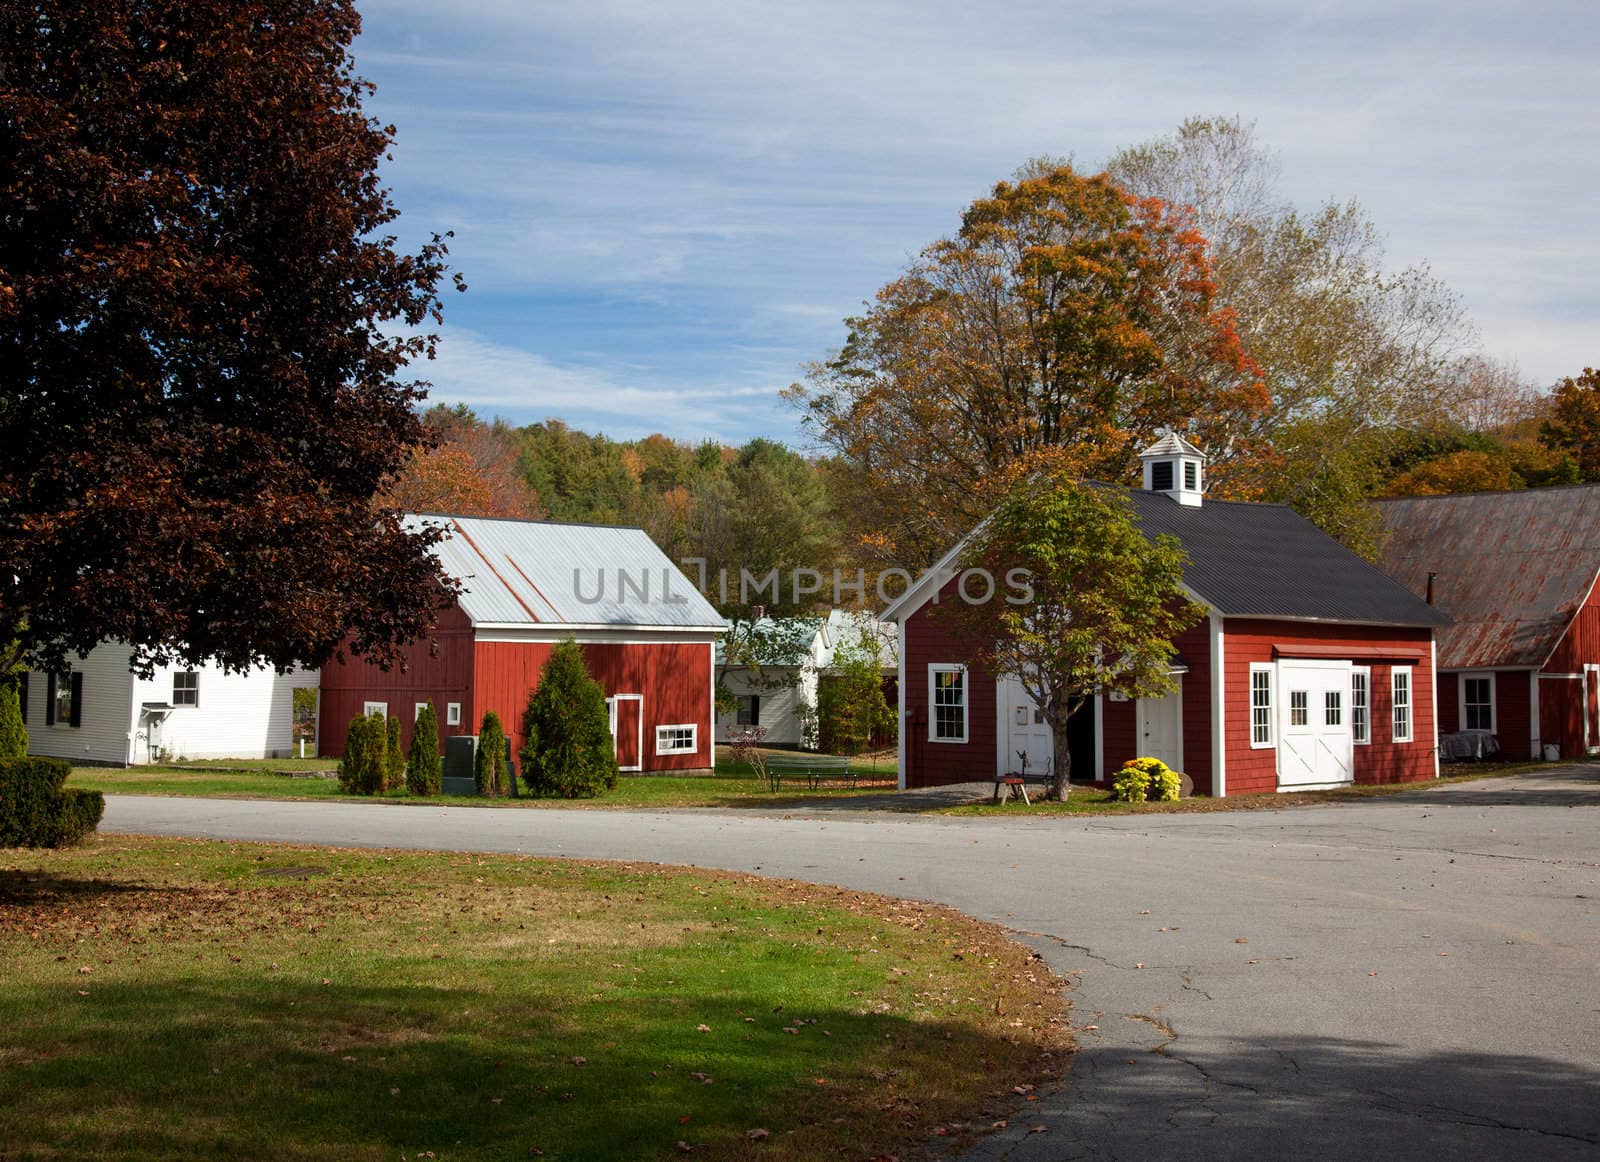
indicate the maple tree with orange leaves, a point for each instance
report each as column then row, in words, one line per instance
column 1067, row 323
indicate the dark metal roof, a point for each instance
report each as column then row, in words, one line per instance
column 1513, row 567
column 1265, row 560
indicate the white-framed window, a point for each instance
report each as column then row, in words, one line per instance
column 186, row 688
column 452, row 714
column 1477, row 702
column 62, row 700
column 947, row 702
column 370, row 708
column 1333, row 708
column 680, row 739
column 1299, row 708
column 416, row 710
column 1400, row 685
column 1260, row 705
column 749, row 710
column 1361, row 705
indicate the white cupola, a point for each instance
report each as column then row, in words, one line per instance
column 1176, row 467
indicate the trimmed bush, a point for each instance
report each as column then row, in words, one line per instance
column 365, row 766
column 1146, row 778
column 34, row 809
column 394, row 764
column 494, row 777
column 13, row 734
column 569, row 752
column 423, row 766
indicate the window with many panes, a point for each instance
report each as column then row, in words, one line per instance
column 1477, row 702
column 1361, row 705
column 186, row 688
column 675, row 739
column 1333, row 708
column 1299, row 708
column 1400, row 684
column 1260, row 705
column 947, row 719
column 749, row 711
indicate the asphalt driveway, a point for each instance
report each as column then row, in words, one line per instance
column 1411, row 977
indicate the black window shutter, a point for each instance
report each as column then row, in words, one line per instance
column 77, row 698
column 22, row 695
column 755, row 710
column 50, row 700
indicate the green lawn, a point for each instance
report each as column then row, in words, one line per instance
column 730, row 785
column 173, row 998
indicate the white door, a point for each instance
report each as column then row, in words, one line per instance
column 1316, row 747
column 1028, row 741
column 1160, row 725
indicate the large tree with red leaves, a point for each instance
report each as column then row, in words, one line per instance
column 203, row 329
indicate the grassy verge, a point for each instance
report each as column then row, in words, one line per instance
column 732, row 784
column 185, row 999
column 1093, row 801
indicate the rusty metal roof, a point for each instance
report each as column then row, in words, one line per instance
column 521, row 572
column 1512, row 567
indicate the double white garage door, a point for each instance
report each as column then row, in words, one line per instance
column 1316, row 742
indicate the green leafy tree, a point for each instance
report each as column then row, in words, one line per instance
column 394, row 759
column 490, row 765
column 424, row 768
column 205, row 323
column 1106, row 602
column 851, row 708
column 13, row 734
column 569, row 751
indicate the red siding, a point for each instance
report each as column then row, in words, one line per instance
column 1380, row 761
column 674, row 679
column 1449, row 695
column 1512, row 713
column 1194, row 647
column 932, row 639
column 439, row 677
column 1562, row 700
column 1119, row 737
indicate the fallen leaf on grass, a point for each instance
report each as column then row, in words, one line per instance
column 758, row 1135
column 702, row 1028
column 580, row 1061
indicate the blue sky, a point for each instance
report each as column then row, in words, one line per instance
column 666, row 209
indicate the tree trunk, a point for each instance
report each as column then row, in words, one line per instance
column 1061, row 778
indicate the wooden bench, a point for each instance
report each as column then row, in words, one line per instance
column 816, row 769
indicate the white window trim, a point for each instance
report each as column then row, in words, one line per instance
column 694, row 738
column 1411, row 705
column 1365, row 674
column 1461, row 700
column 370, row 708
column 966, row 701
column 417, row 709
column 1269, row 670
column 452, row 714
column 195, row 705
column 63, row 688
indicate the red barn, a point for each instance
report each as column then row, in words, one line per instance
column 1516, row 572
column 647, row 636
column 1313, row 668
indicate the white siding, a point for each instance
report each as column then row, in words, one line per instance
column 245, row 716
column 778, row 706
column 106, row 734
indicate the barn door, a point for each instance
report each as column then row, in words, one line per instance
column 1316, row 746
column 1591, row 708
column 627, row 730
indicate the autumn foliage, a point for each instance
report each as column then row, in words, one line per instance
column 1574, row 422
column 204, row 323
column 1067, row 321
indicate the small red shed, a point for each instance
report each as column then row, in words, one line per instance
column 1312, row 670
column 1517, row 573
column 648, row 637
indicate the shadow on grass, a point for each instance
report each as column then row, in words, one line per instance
column 27, row 888
column 273, row 1067
column 1307, row 1097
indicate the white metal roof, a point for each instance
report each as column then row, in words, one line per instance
column 520, row 573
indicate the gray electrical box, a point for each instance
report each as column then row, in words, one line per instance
column 460, row 765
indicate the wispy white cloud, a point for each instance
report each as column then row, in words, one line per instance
column 698, row 191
